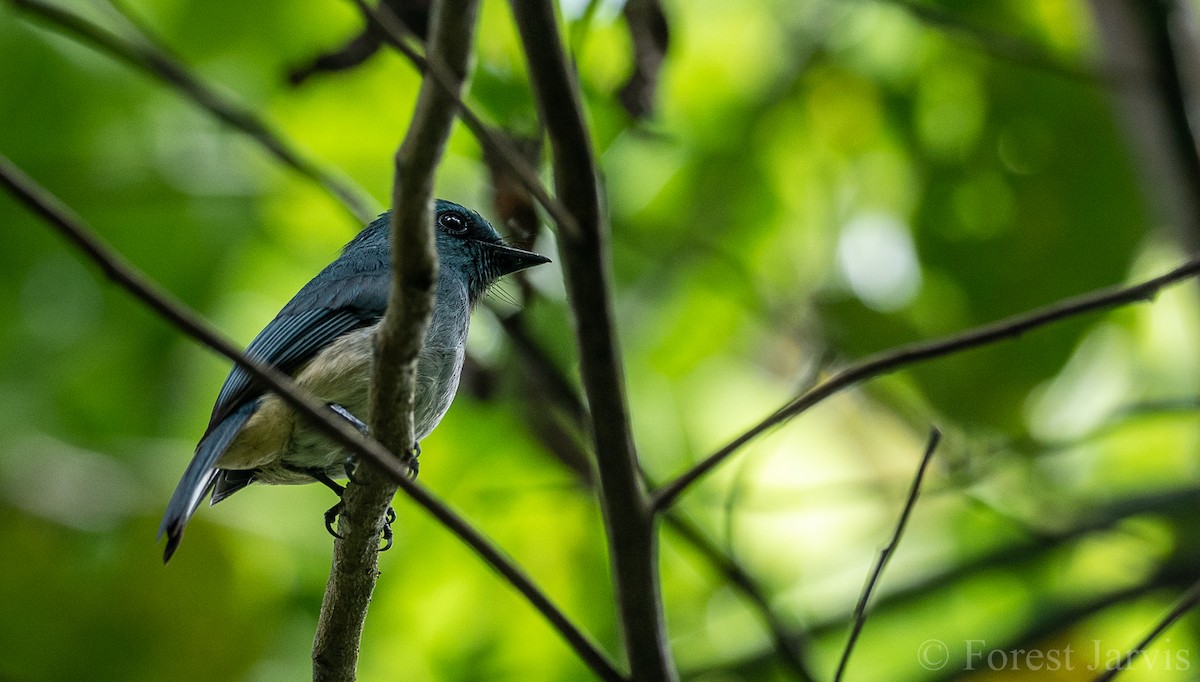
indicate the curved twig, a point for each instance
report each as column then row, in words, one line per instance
column 905, row 356
column 860, row 610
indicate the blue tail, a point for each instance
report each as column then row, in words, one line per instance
column 200, row 476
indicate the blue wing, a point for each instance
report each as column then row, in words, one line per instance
column 341, row 299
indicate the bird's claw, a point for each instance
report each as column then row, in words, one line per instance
column 387, row 530
column 411, row 461
column 349, row 467
column 331, row 516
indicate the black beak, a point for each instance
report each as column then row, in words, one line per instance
column 507, row 260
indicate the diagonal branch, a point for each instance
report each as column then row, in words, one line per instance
column 629, row 521
column 860, row 611
column 155, row 61
column 912, row 354
column 1186, row 603
column 64, row 221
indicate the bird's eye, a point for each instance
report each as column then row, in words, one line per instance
column 452, row 223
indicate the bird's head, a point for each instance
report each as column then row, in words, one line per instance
column 469, row 247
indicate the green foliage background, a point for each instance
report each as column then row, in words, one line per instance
column 822, row 179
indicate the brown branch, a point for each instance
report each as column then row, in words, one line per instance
column 860, row 611
column 153, row 60
column 63, row 220
column 629, row 521
column 912, row 354
column 650, row 34
column 396, row 33
column 398, row 343
column 1186, row 603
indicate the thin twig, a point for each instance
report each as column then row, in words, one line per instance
column 1186, row 603
column 860, row 611
column 400, row 37
column 629, row 522
column 63, row 220
column 155, row 61
column 905, row 356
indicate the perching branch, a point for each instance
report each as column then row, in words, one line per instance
column 860, row 611
column 905, row 356
column 152, row 60
column 629, row 521
column 63, row 220
column 398, row 344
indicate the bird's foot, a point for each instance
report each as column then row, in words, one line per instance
column 387, row 530
column 332, row 514
column 411, row 461
column 331, row 517
column 350, row 466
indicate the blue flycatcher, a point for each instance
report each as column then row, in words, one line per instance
column 324, row 338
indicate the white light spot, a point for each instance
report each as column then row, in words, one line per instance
column 876, row 256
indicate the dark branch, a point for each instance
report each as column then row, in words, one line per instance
column 565, row 441
column 156, row 62
column 632, row 536
column 905, row 356
column 651, row 34
column 398, row 343
column 860, row 611
column 63, row 220
column 1186, row 603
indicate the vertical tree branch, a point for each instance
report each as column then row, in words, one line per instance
column 398, row 343
column 554, row 393
column 1154, row 38
column 628, row 518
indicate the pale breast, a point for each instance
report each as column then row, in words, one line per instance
column 280, row 445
